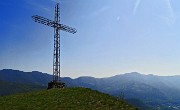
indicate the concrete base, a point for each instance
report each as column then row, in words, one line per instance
column 54, row 84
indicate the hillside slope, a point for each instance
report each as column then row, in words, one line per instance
column 63, row 99
column 34, row 77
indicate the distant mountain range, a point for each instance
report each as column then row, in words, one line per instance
column 159, row 92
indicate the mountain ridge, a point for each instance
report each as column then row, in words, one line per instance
column 153, row 90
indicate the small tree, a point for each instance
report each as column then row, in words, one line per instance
column 121, row 95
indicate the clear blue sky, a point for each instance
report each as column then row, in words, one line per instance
column 114, row 37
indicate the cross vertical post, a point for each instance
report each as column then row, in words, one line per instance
column 56, row 57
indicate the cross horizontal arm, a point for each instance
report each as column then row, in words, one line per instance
column 67, row 28
column 51, row 23
column 43, row 20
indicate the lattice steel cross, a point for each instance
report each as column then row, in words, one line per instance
column 57, row 27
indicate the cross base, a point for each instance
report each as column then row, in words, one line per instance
column 55, row 84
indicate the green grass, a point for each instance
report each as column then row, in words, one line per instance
column 63, row 99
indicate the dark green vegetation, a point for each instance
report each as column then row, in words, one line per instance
column 7, row 88
column 143, row 91
column 63, row 99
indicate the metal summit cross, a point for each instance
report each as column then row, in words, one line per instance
column 56, row 83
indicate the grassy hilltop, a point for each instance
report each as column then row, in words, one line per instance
column 63, row 99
